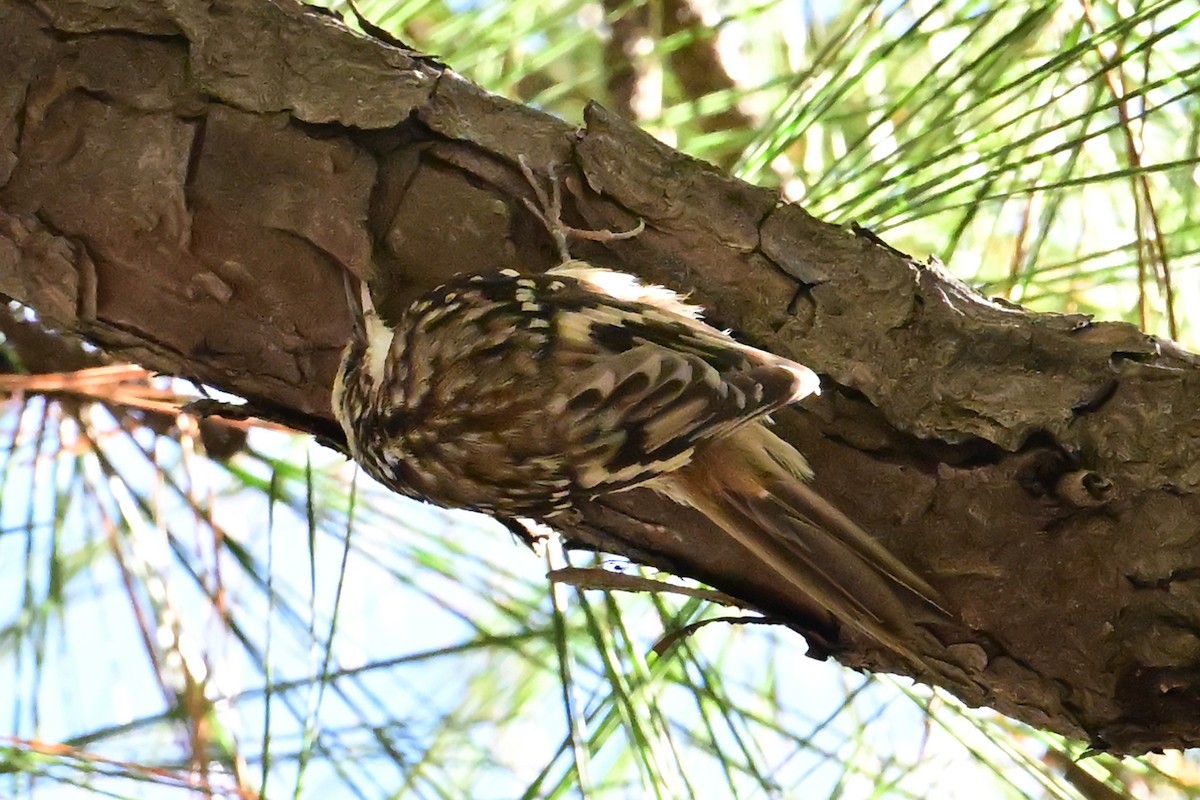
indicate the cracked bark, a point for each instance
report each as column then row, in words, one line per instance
column 182, row 182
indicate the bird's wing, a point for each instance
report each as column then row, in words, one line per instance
column 654, row 383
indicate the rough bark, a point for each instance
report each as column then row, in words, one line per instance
column 183, row 183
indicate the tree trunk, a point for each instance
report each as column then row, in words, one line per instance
column 183, row 183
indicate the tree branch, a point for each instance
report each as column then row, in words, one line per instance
column 183, row 183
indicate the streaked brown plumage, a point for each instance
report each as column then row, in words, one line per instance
column 519, row 395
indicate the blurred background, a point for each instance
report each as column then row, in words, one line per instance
column 193, row 609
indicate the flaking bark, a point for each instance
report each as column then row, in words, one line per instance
column 183, row 183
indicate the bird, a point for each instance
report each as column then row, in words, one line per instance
column 524, row 394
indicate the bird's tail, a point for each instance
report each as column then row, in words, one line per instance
column 754, row 486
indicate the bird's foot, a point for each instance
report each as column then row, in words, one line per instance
column 548, row 209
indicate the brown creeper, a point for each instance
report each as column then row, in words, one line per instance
column 522, row 394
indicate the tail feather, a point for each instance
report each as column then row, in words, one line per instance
column 753, row 486
column 800, row 497
column 786, row 475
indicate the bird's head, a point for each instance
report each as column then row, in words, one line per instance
column 364, row 360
